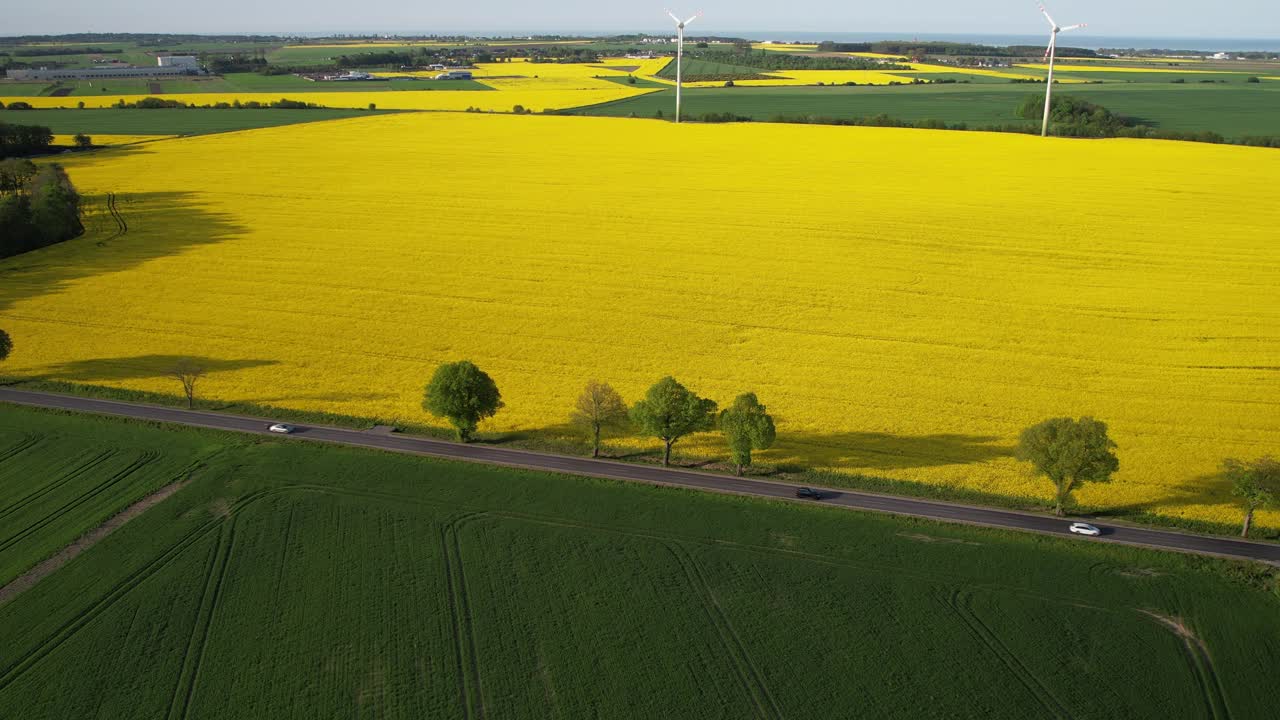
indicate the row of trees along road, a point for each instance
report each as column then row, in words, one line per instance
column 463, row 394
column 1068, row 452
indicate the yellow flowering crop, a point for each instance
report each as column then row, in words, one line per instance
column 782, row 78
column 904, row 301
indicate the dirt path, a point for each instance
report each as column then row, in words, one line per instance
column 88, row 540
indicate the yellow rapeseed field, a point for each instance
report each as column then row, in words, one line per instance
column 904, row 301
column 783, row 78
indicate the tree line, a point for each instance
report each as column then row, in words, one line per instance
column 463, row 395
column 1068, row 452
column 24, row 140
column 38, row 206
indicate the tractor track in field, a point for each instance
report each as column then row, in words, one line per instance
column 465, row 651
column 959, row 602
column 749, row 673
column 19, row 447
column 122, row 226
column 75, row 471
column 1215, row 699
column 24, row 662
column 143, row 460
column 192, row 659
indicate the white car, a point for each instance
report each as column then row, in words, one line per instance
column 281, row 428
column 1080, row 528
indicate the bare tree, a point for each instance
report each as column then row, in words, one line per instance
column 188, row 371
column 599, row 407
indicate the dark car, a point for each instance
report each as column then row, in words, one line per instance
column 809, row 493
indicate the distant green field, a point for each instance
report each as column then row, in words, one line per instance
column 639, row 81
column 253, row 82
column 299, row 580
column 117, row 86
column 178, row 121
column 694, row 69
column 1232, row 110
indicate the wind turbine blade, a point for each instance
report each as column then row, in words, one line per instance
column 695, row 17
column 1073, row 27
column 1048, row 17
column 673, row 17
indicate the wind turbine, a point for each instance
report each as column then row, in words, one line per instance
column 680, row 52
column 1051, row 54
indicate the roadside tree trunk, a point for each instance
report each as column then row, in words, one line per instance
column 738, row 470
column 666, row 454
column 595, row 449
column 1248, row 520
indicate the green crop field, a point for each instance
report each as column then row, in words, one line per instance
column 1232, row 110
column 253, row 82
column 56, row 483
column 167, row 121
column 298, row 580
column 694, row 69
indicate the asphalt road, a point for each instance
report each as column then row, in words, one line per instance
column 953, row 512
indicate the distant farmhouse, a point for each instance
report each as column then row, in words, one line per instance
column 166, row 65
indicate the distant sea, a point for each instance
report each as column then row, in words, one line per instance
column 1082, row 40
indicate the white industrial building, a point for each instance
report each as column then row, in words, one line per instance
column 178, row 61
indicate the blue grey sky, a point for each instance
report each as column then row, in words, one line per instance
column 1165, row 18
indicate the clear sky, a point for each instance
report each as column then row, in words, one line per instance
column 1165, row 18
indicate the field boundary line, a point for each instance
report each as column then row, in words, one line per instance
column 47, row 566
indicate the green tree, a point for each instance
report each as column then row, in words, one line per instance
column 1070, row 453
column 83, row 141
column 669, row 411
column 1255, row 482
column 746, row 427
column 464, row 395
column 599, row 407
column 6, row 345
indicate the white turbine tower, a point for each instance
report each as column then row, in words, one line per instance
column 680, row 52
column 1052, row 54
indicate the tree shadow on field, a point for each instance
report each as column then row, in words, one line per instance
column 886, row 451
column 138, row 368
column 121, row 232
column 1213, row 489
